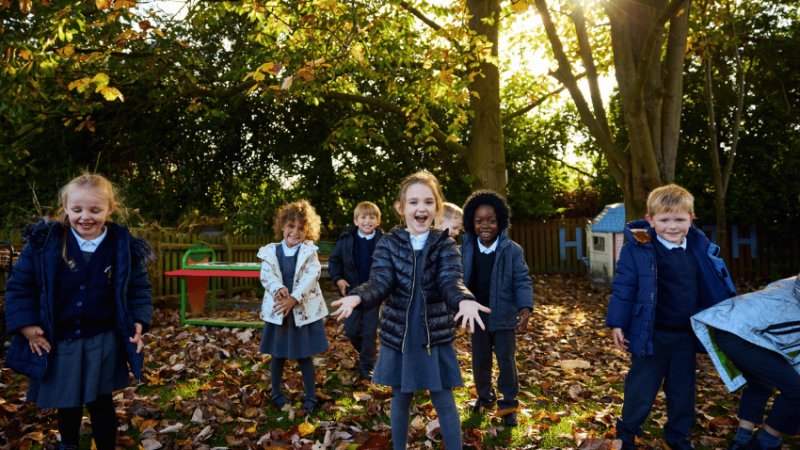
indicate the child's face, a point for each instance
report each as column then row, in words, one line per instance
column 87, row 213
column 294, row 233
column 367, row 223
column 485, row 224
column 671, row 225
column 418, row 209
column 454, row 225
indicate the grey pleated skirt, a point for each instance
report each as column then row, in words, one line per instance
column 292, row 342
column 81, row 370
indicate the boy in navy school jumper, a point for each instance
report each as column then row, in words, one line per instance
column 666, row 272
column 348, row 267
column 496, row 273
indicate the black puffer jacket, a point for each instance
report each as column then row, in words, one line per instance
column 392, row 279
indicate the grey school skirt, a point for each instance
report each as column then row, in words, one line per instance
column 81, row 369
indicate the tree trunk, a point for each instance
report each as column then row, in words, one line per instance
column 650, row 90
column 485, row 156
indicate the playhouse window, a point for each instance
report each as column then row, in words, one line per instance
column 598, row 243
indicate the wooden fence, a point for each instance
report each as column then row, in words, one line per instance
column 552, row 246
column 171, row 246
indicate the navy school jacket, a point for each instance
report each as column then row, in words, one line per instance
column 511, row 288
column 31, row 296
column 632, row 305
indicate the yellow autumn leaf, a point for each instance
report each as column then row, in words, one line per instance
column 357, row 53
column 306, row 428
column 25, row 6
column 80, row 85
column 110, row 93
column 519, row 6
column 427, row 64
column 67, row 51
column 266, row 67
column 258, row 76
column 100, row 79
column 103, row 4
column 24, row 54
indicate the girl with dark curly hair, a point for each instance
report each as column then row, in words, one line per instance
column 496, row 273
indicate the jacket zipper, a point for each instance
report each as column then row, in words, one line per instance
column 408, row 308
column 44, row 287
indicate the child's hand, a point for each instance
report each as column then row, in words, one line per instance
column 36, row 340
column 283, row 306
column 347, row 304
column 137, row 337
column 524, row 315
column 619, row 339
column 342, row 285
column 469, row 311
column 281, row 294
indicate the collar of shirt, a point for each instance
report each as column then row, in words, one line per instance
column 365, row 236
column 89, row 246
column 670, row 245
column 418, row 242
column 490, row 248
column 289, row 251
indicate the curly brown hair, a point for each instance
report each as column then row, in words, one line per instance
column 302, row 212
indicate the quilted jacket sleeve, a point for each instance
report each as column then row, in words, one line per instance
column 450, row 276
column 140, row 302
column 22, row 293
column 625, row 288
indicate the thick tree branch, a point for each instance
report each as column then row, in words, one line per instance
column 537, row 102
column 437, row 133
column 564, row 75
column 568, row 166
column 192, row 89
column 585, row 52
column 737, row 121
column 648, row 49
column 418, row 14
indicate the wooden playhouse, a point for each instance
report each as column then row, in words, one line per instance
column 605, row 237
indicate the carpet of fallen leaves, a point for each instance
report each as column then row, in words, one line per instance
column 208, row 387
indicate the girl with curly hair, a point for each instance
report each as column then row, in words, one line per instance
column 293, row 304
column 495, row 271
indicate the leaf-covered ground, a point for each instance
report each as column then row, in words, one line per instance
column 208, row 387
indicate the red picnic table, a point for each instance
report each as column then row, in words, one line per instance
column 194, row 281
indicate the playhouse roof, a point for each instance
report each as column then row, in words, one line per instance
column 611, row 220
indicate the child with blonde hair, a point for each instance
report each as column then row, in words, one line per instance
column 78, row 302
column 666, row 272
column 349, row 266
column 293, row 305
column 417, row 273
column 451, row 219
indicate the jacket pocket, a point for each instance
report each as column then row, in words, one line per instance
column 639, row 323
column 785, row 336
column 22, row 360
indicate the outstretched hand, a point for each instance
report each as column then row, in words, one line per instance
column 137, row 337
column 346, row 305
column 36, row 339
column 469, row 310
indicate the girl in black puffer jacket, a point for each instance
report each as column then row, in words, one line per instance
column 417, row 272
